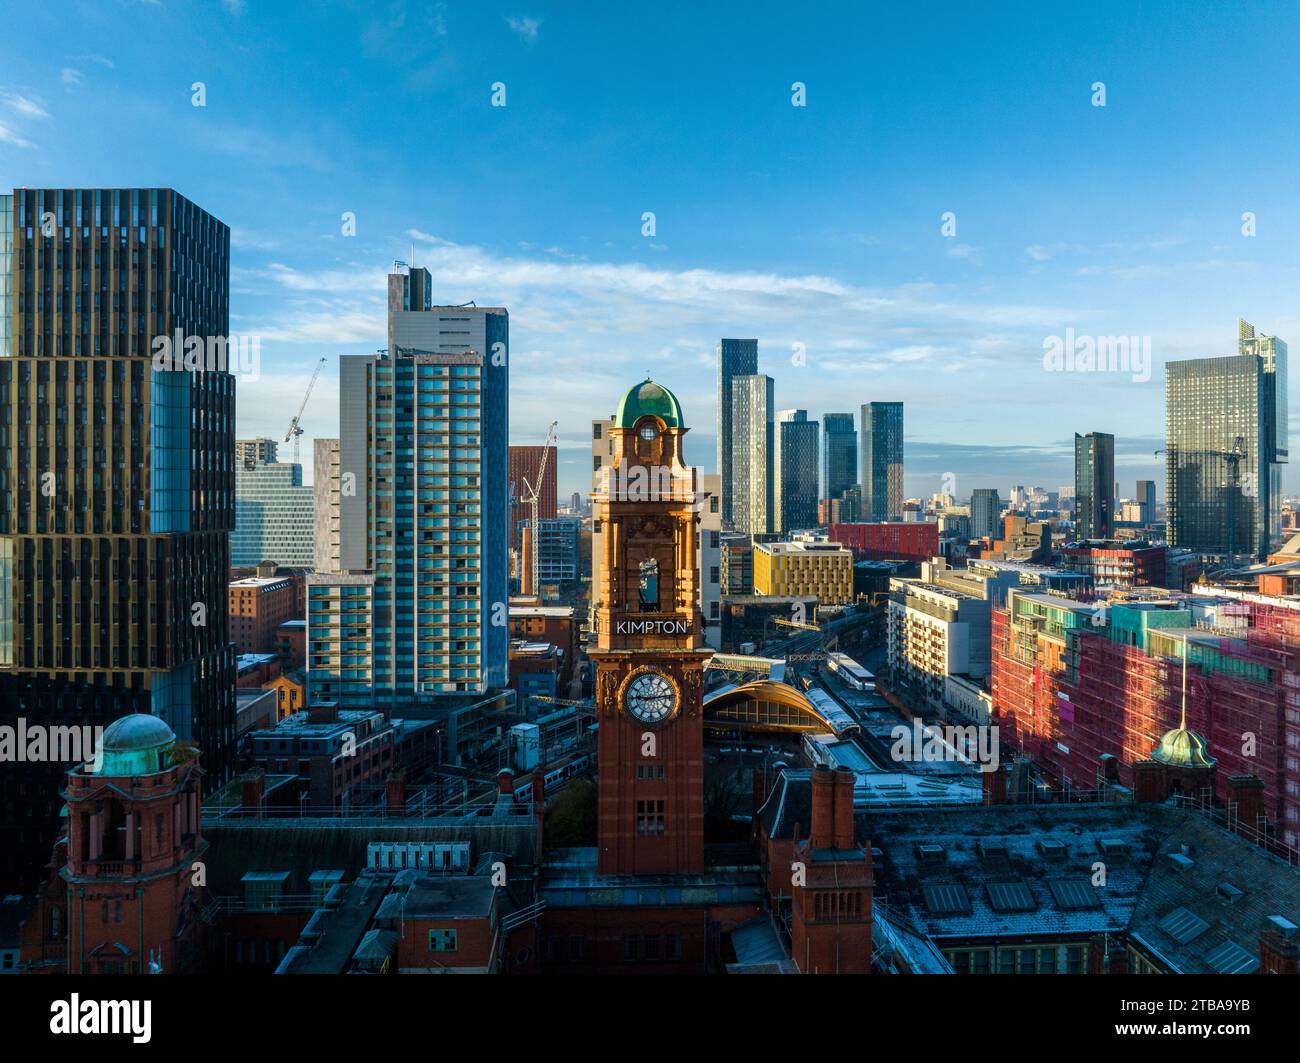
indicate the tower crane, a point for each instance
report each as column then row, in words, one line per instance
column 1233, row 458
column 295, row 426
column 530, row 500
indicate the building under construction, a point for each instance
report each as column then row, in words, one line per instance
column 1074, row 682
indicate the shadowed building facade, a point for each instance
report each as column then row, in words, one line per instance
column 118, row 504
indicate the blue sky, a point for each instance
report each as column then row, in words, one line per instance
column 817, row 226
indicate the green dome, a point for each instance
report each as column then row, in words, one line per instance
column 1181, row 748
column 134, row 745
column 649, row 399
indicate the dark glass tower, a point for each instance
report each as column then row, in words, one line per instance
column 1094, row 485
column 840, row 454
column 117, row 500
column 794, row 489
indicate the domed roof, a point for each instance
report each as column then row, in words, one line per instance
column 648, row 398
column 1183, row 748
column 134, row 745
column 137, row 731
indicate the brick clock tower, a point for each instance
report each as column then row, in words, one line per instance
column 649, row 650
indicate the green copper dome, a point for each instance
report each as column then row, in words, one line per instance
column 649, row 399
column 135, row 745
column 1182, row 748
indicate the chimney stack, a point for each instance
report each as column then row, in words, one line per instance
column 1279, row 946
column 506, row 782
column 1149, row 784
column 843, row 822
column 822, row 833
column 1246, row 805
column 995, row 785
column 252, row 792
column 395, row 787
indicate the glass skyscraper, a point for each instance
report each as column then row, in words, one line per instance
column 753, row 453
column 118, row 483
column 880, row 469
column 1222, row 491
column 418, row 606
column 794, row 489
column 735, row 358
column 839, row 454
column 985, row 509
column 1094, row 485
column 274, row 515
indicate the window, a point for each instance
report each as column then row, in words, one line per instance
column 1074, row 960
column 575, row 947
column 649, row 590
column 649, row 817
column 629, row 947
column 652, row 946
column 445, row 941
column 674, row 946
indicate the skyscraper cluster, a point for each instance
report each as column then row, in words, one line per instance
column 783, row 473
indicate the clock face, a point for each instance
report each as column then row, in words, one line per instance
column 650, row 697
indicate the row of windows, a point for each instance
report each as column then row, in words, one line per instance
column 1016, row 961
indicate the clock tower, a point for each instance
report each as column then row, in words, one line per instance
column 649, row 649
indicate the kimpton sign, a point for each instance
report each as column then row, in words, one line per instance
column 674, row 625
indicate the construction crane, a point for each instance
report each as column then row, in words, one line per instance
column 295, row 426
column 530, row 499
column 1233, row 458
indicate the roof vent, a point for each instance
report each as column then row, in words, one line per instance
column 1051, row 849
column 1280, row 924
column 931, row 855
column 1228, row 893
column 993, row 850
column 1179, row 862
column 1113, row 847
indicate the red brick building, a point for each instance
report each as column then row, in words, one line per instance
column 892, row 541
column 524, row 464
column 1118, row 564
column 258, row 606
column 124, row 897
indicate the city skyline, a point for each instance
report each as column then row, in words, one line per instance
column 1052, row 230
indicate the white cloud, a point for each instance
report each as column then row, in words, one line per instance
column 10, row 136
column 26, row 106
column 71, row 76
column 526, row 27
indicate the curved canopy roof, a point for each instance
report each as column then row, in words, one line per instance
column 767, row 705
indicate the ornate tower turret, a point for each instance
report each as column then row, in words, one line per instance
column 649, row 650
